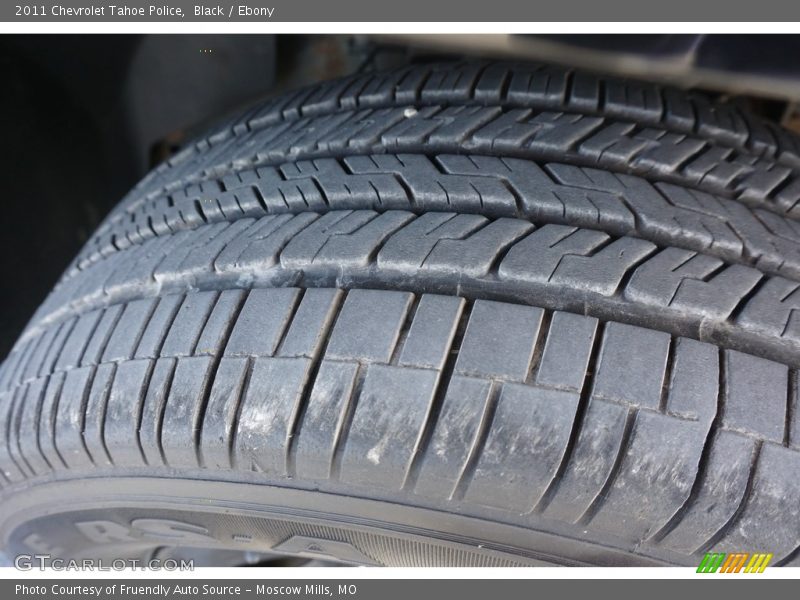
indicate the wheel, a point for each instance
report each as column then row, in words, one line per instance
column 453, row 314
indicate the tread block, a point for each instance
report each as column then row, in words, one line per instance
column 671, row 151
column 657, row 280
column 585, row 92
column 323, row 419
column 565, row 357
column 260, row 246
column 219, row 420
column 312, row 185
column 499, row 341
column 694, row 385
column 158, row 326
column 773, row 310
column 8, row 465
column 331, row 186
column 403, row 84
column 262, row 321
column 465, row 186
column 64, row 329
column 153, row 411
column 418, row 126
column 549, row 244
column 368, row 326
column 631, row 365
column 202, row 257
column 301, row 250
column 131, row 325
column 438, row 124
column 25, row 356
column 633, row 100
column 43, row 346
column 219, row 323
column 366, row 130
column 734, row 225
column 560, row 131
column 655, row 476
column 546, row 86
column 143, row 261
column 718, row 297
column 203, row 238
column 184, row 332
column 524, row 447
column 720, row 121
column 314, row 316
column 591, row 461
column 664, row 211
column 389, row 415
column 93, row 282
column 719, row 493
column 678, row 109
column 475, row 255
column 756, row 396
column 407, row 249
column 453, row 437
column 432, row 331
column 714, row 166
column 612, row 145
column 602, row 272
column 787, row 198
column 447, row 85
column 523, row 176
column 546, row 131
column 30, row 420
column 491, row 83
column 98, row 340
column 182, row 410
column 768, row 520
column 95, row 414
column 342, row 191
column 124, row 411
column 15, row 429
column 355, row 249
column 269, row 408
column 69, row 421
column 47, row 421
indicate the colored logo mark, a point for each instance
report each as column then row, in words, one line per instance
column 734, row 562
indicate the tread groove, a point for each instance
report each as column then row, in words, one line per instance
column 212, row 371
column 248, row 373
column 87, row 390
column 597, row 503
column 587, row 388
column 705, row 454
column 432, row 414
column 162, row 410
column 340, row 438
column 104, row 414
column 479, row 442
column 731, row 522
column 140, row 408
column 295, row 426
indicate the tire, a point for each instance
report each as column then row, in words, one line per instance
column 455, row 314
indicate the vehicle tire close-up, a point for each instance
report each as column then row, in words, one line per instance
column 453, row 314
